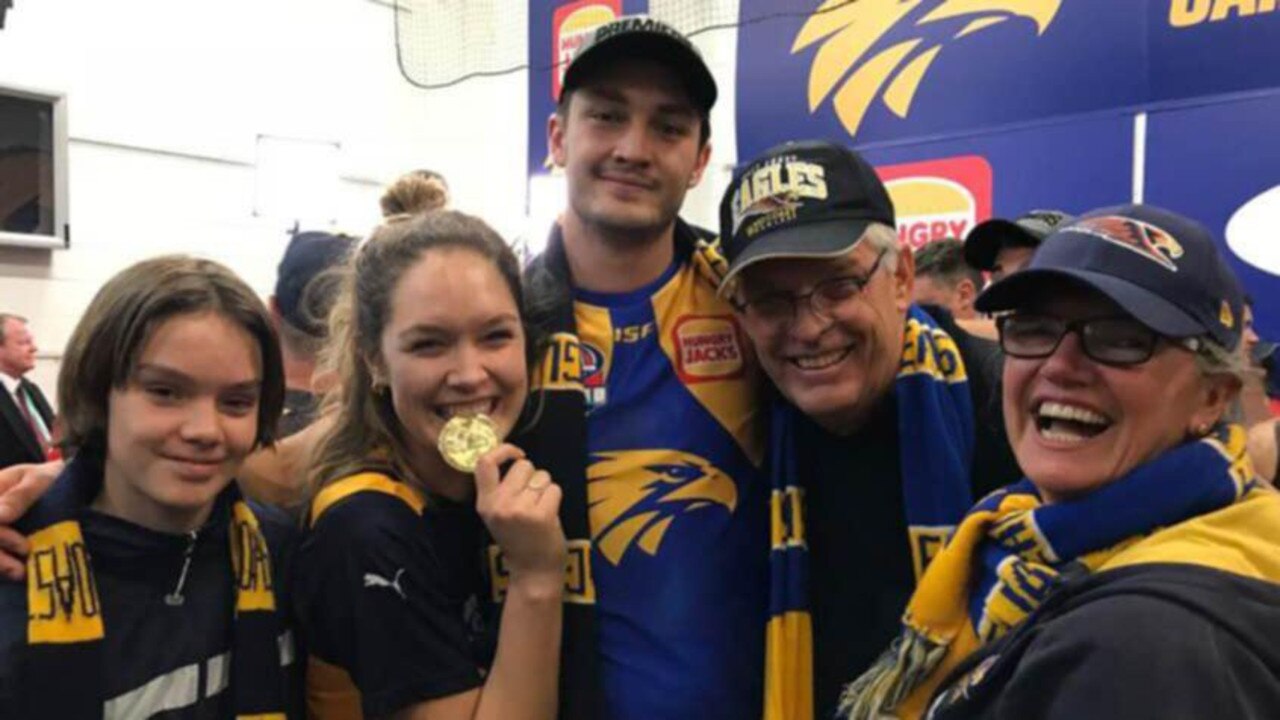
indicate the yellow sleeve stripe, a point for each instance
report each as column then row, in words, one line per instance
column 365, row 482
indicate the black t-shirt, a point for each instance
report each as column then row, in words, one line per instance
column 396, row 599
column 150, row 642
column 861, row 573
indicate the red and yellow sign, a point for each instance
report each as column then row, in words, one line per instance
column 937, row 199
column 571, row 26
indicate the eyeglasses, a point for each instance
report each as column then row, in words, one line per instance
column 823, row 299
column 1118, row 341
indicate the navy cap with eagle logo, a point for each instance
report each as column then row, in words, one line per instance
column 986, row 239
column 811, row 199
column 640, row 36
column 1160, row 267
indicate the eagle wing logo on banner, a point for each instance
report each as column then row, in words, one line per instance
column 847, row 32
column 636, row 495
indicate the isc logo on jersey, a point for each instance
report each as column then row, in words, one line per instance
column 571, row 26
column 847, row 33
column 708, row 347
column 938, row 198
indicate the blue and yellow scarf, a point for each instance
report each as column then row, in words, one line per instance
column 65, row 625
column 1012, row 551
column 935, row 446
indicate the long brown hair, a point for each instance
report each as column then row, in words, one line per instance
column 366, row 432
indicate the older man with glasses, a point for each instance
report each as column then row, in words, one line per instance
column 888, row 426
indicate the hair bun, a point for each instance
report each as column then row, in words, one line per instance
column 420, row 191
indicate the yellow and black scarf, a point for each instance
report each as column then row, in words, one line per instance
column 1012, row 551
column 63, row 661
column 935, row 446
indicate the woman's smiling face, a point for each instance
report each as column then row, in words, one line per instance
column 453, row 344
column 1076, row 424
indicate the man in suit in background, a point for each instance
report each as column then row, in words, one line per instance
column 27, row 420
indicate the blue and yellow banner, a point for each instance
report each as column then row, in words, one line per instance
column 971, row 108
column 1220, row 164
column 873, row 71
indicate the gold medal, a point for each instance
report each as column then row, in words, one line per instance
column 465, row 438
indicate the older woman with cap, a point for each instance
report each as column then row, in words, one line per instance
column 1135, row 571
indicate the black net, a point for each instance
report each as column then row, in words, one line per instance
column 446, row 42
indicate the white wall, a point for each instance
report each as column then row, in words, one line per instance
column 167, row 100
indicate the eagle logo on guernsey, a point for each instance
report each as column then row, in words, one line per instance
column 1136, row 236
column 636, row 495
column 848, row 32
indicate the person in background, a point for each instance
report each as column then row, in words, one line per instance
column 1252, row 407
column 307, row 283
column 1002, row 247
column 943, row 278
column 1135, row 570
column 152, row 588
column 888, row 422
column 390, row 596
column 26, row 420
column 1255, row 401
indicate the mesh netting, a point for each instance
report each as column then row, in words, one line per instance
column 445, row 42
column 695, row 16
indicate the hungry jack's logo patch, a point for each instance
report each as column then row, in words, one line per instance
column 708, row 347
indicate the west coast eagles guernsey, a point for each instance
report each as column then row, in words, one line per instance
column 677, row 501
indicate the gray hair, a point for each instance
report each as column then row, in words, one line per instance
column 884, row 239
column 4, row 320
column 1214, row 359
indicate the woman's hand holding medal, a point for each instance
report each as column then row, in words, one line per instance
column 521, row 508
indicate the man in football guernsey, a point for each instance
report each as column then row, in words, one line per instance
column 646, row 408
column 677, row 514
